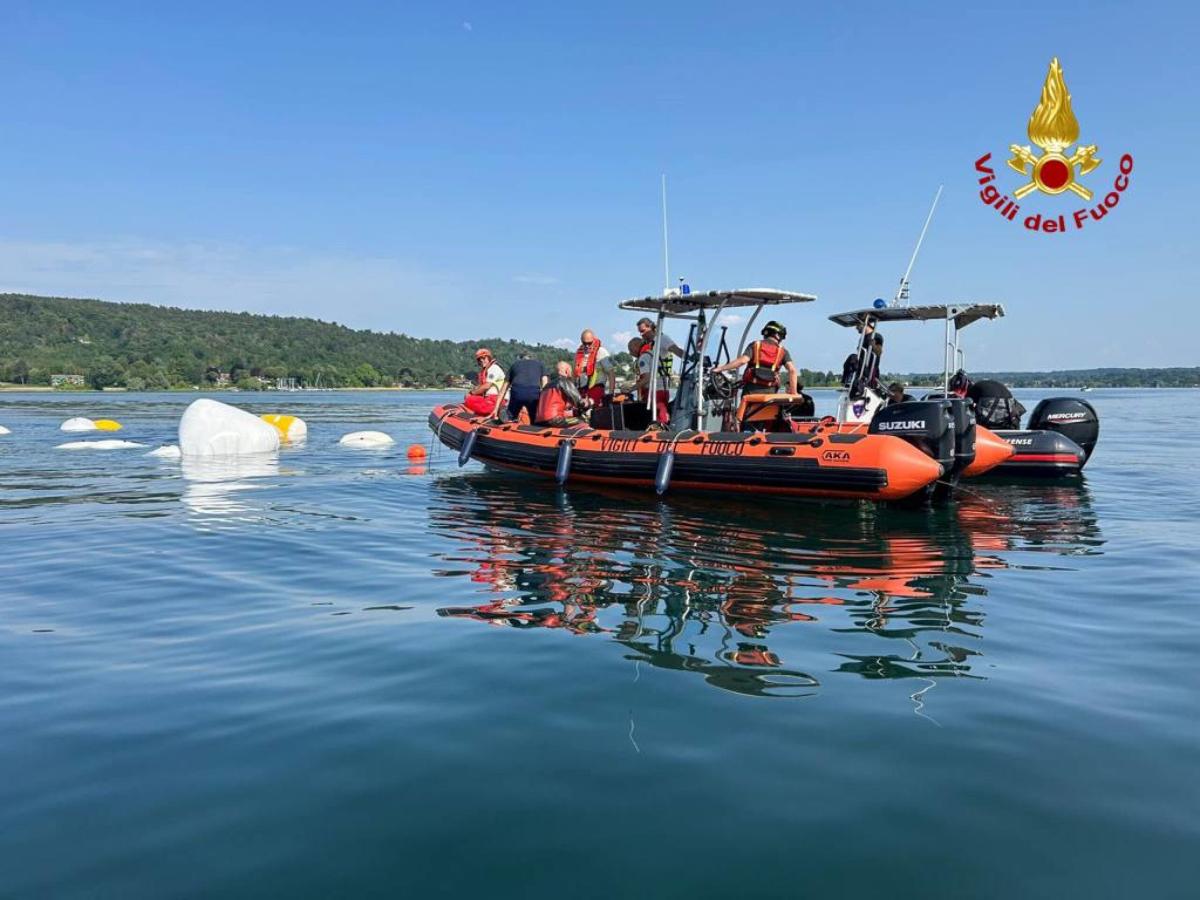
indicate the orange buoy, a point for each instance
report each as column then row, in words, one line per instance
column 416, row 451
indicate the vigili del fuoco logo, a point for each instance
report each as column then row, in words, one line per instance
column 1057, row 170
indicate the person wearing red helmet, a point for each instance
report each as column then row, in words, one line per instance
column 484, row 398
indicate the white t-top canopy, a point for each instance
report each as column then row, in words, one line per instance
column 963, row 314
column 682, row 304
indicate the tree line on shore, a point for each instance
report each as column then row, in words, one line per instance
column 100, row 344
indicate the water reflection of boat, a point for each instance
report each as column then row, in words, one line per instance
column 685, row 586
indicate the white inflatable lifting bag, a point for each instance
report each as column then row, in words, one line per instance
column 209, row 428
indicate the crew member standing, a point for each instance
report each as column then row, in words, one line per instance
column 645, row 356
column 484, row 398
column 763, row 360
column 593, row 368
column 526, row 378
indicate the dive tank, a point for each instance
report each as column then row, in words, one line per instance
column 1070, row 417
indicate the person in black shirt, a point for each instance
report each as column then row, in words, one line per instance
column 896, row 393
column 526, row 377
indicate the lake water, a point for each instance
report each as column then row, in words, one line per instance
column 334, row 674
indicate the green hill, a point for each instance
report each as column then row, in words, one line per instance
column 140, row 346
column 144, row 347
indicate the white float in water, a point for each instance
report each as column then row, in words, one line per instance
column 167, row 451
column 78, row 424
column 4, row 430
column 366, row 439
column 291, row 429
column 209, row 428
column 108, row 444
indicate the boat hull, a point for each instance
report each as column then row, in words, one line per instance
column 1040, row 454
column 822, row 463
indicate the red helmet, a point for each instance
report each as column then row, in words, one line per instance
column 482, row 352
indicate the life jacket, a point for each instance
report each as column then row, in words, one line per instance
column 552, row 404
column 585, row 365
column 765, row 361
column 664, row 361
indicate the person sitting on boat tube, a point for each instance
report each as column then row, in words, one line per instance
column 484, row 398
column 593, row 368
column 560, row 402
column 763, row 360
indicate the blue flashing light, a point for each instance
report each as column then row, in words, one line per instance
column 879, row 303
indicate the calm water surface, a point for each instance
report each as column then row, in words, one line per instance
column 331, row 673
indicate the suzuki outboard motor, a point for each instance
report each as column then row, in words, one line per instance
column 964, row 434
column 929, row 425
column 1069, row 416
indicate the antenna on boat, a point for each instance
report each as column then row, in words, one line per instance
column 901, row 298
column 666, row 243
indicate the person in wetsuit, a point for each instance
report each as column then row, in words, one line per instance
column 560, row 402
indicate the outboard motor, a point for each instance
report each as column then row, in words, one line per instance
column 964, row 434
column 1069, row 416
column 929, row 425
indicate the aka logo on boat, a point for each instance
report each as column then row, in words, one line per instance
column 1054, row 129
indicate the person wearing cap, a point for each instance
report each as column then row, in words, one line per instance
column 484, row 398
column 763, row 360
column 897, row 394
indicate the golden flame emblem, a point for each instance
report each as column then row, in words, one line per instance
column 1054, row 128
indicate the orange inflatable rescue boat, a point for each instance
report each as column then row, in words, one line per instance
column 758, row 444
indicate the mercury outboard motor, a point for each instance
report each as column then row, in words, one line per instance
column 1069, row 416
column 929, row 425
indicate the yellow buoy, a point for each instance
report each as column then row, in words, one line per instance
column 290, row 428
column 107, row 425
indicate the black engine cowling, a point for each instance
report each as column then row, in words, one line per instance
column 964, row 433
column 926, row 424
column 1069, row 416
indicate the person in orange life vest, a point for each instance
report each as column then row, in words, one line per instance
column 643, row 352
column 484, row 398
column 763, row 360
column 593, row 368
column 560, row 403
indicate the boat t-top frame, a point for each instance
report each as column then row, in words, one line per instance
column 702, row 309
column 956, row 317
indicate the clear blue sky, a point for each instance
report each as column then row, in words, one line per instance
column 458, row 169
